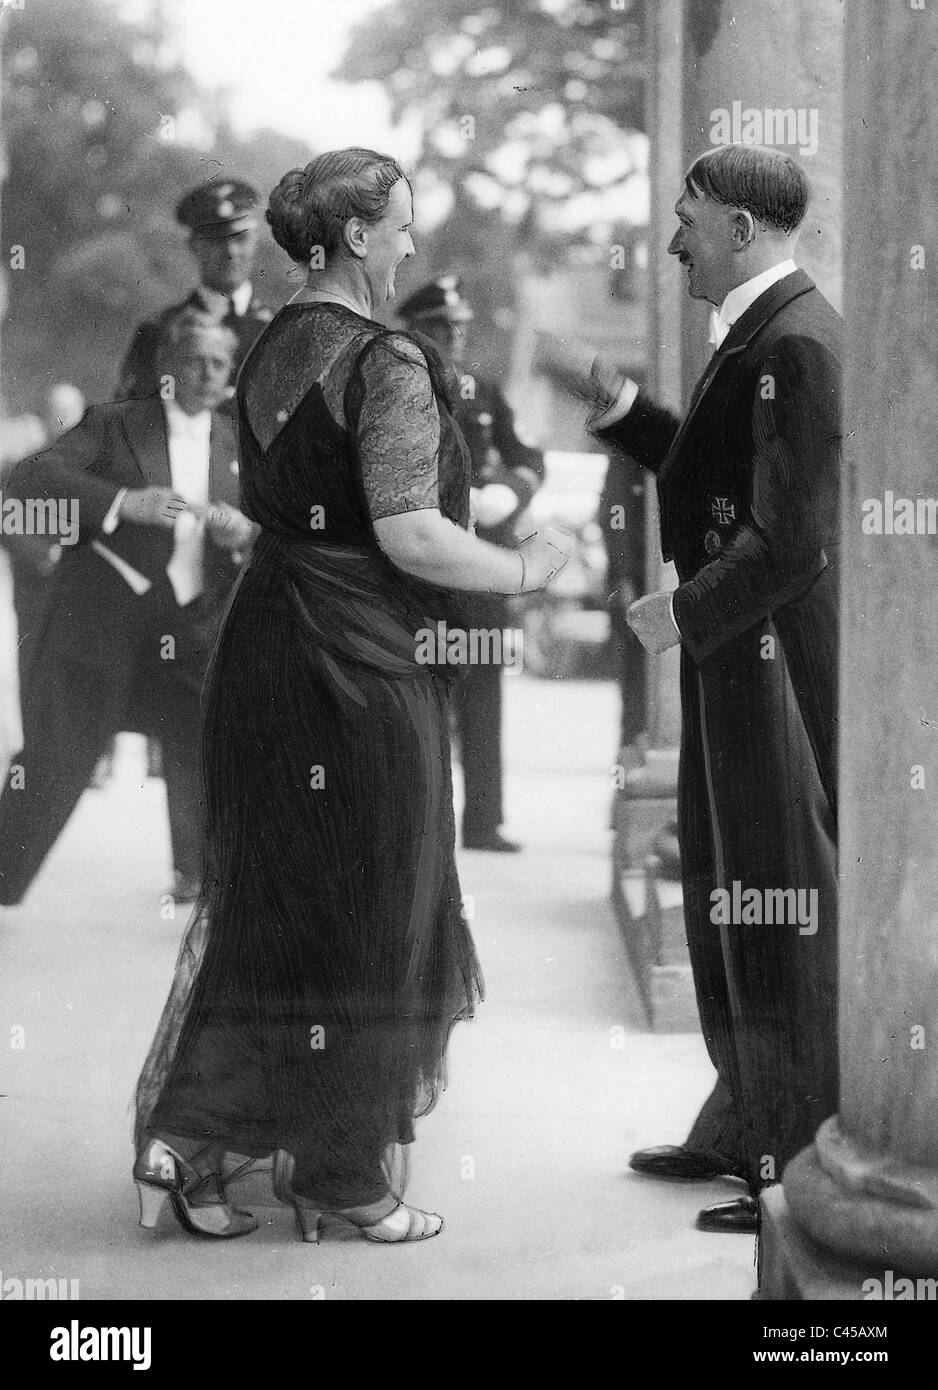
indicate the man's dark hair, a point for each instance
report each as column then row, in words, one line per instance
column 767, row 183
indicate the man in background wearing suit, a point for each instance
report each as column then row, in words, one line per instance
column 505, row 476
column 748, row 488
column 622, row 518
column 135, row 603
column 221, row 218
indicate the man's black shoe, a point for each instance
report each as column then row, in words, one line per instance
column 678, row 1164
column 494, row 842
column 740, row 1216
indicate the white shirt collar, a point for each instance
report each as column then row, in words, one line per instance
column 180, row 425
column 738, row 300
column 241, row 298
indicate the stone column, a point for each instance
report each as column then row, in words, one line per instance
column 769, row 68
column 667, row 305
column 866, row 1193
column 3, row 175
column 648, row 908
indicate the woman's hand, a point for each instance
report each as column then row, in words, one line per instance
column 428, row 545
column 545, row 553
column 228, row 528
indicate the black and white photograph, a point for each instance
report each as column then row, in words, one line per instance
column 468, row 668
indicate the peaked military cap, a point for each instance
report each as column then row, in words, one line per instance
column 440, row 299
column 218, row 208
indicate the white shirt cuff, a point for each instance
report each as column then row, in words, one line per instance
column 620, row 406
column 671, row 612
column 112, row 516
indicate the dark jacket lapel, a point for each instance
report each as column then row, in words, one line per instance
column 763, row 309
column 145, row 429
column 759, row 313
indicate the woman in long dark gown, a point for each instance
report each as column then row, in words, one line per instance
column 328, row 957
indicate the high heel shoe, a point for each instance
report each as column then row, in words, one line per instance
column 198, row 1199
column 401, row 1223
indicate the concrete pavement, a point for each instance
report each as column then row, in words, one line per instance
column 550, row 1087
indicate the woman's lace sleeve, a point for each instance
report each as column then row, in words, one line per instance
column 398, row 429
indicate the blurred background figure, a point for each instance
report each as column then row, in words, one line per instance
column 135, row 604
column 26, row 561
column 505, row 476
column 19, row 435
column 622, row 518
column 221, row 219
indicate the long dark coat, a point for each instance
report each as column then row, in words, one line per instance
column 748, row 497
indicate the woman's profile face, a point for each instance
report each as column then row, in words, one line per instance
column 389, row 242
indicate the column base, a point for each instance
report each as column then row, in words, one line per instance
column 847, row 1218
column 793, row 1268
column 838, row 1196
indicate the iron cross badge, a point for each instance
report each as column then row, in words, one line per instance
column 723, row 510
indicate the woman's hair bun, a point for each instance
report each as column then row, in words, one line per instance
column 288, row 216
column 310, row 207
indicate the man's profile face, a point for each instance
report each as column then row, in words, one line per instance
column 705, row 243
column 200, row 365
column 225, row 262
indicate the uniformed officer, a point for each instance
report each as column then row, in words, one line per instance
column 622, row 518
column 221, row 218
column 505, row 476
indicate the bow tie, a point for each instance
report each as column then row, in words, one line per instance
column 718, row 329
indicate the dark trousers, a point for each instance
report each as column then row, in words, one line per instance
column 752, row 810
column 72, row 710
column 478, row 709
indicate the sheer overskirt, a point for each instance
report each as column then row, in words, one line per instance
column 328, row 957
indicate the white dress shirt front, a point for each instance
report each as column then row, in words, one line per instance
column 188, row 439
column 241, row 298
column 739, row 300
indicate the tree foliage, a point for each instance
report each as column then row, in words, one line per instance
column 527, row 112
column 104, row 129
column 524, row 105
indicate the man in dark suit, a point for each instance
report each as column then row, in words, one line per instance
column 135, row 602
column 221, row 219
column 505, row 476
column 748, row 495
